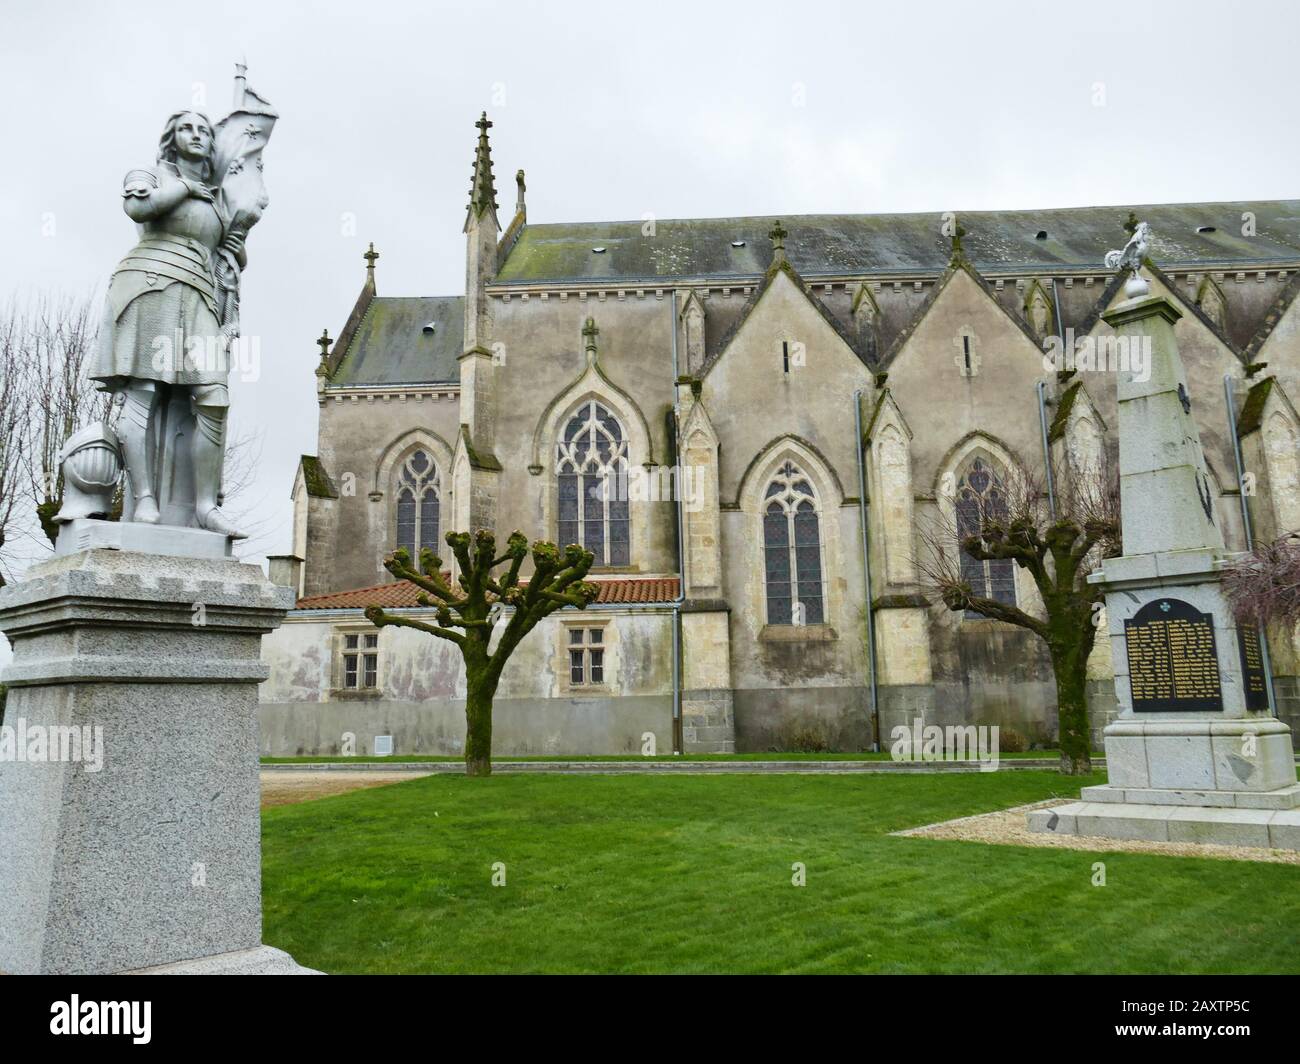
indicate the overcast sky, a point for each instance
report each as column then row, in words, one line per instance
column 615, row 111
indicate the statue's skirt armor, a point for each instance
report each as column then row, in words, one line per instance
column 160, row 317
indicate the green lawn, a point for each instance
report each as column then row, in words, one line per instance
column 692, row 874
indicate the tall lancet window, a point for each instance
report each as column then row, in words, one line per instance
column 792, row 553
column 980, row 492
column 592, row 464
column 419, row 489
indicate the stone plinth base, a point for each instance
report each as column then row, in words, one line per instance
column 86, row 533
column 1230, row 782
column 129, row 796
column 1237, row 754
column 264, row 960
column 1277, row 829
column 1282, row 798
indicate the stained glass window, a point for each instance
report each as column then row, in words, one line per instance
column 418, row 500
column 792, row 555
column 592, row 472
column 979, row 493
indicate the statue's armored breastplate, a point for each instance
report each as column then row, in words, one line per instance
column 158, row 261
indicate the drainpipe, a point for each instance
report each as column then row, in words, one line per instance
column 676, row 604
column 1047, row 447
column 1265, row 659
column 866, row 571
column 1042, row 405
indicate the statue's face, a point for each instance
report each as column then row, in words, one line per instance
column 193, row 137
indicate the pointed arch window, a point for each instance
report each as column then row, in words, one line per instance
column 419, row 493
column 980, row 492
column 592, row 469
column 792, row 554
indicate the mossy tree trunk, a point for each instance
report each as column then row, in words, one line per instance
column 481, row 681
column 1073, row 636
column 469, row 614
column 1058, row 557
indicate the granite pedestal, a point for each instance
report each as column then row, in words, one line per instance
column 152, row 857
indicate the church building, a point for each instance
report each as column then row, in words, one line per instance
column 749, row 422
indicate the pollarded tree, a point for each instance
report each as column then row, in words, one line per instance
column 468, row 615
column 1058, row 551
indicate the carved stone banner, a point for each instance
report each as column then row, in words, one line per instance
column 1172, row 659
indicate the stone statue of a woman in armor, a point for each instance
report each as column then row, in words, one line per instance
column 173, row 310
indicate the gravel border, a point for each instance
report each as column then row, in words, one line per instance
column 1007, row 827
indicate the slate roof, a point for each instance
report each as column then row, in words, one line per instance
column 861, row 244
column 402, row 594
column 390, row 345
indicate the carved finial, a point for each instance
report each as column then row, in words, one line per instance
column 1131, row 225
column 1131, row 257
column 519, row 192
column 482, row 189
column 370, row 257
column 323, row 343
column 958, row 231
column 589, row 333
column 777, row 235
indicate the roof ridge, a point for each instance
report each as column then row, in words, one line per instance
column 787, row 216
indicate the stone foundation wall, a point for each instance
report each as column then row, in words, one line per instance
column 830, row 718
column 708, row 722
column 520, row 726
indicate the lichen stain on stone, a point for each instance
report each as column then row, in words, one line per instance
column 791, row 663
column 295, row 677
column 423, row 673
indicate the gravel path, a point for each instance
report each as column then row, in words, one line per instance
column 284, row 788
column 1007, row 828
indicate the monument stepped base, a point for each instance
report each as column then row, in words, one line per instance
column 263, row 960
column 1268, row 819
column 1282, row 798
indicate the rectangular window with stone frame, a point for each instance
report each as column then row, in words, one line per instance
column 357, row 662
column 586, row 652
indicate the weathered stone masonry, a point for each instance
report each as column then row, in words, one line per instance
column 728, row 353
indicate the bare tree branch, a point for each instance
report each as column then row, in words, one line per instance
column 1263, row 586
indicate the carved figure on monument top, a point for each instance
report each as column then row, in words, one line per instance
column 172, row 310
column 1130, row 258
